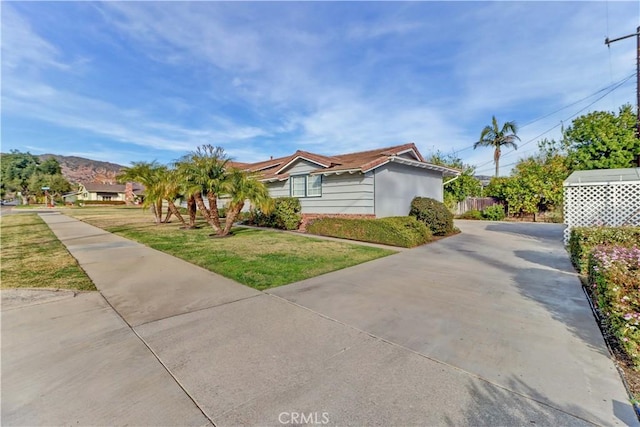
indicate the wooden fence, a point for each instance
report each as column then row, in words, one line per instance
column 475, row 203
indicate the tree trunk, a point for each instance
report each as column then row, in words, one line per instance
column 213, row 209
column 192, row 208
column 156, row 216
column 205, row 212
column 169, row 213
column 159, row 211
column 232, row 214
column 174, row 210
column 496, row 159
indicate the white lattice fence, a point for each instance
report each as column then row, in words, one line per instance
column 611, row 204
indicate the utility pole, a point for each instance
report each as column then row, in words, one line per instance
column 637, row 35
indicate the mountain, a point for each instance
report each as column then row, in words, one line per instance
column 78, row 169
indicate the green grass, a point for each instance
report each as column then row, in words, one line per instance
column 32, row 257
column 260, row 259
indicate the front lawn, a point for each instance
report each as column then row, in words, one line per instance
column 261, row 259
column 33, row 257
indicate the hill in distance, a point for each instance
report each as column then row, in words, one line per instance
column 78, row 169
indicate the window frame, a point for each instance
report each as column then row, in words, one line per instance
column 306, row 187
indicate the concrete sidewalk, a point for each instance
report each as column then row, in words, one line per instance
column 212, row 349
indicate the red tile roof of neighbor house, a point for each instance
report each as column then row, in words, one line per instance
column 362, row 161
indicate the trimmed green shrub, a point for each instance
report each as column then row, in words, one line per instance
column 472, row 214
column 583, row 239
column 614, row 274
column 403, row 231
column 434, row 214
column 494, row 213
column 102, row 202
column 286, row 215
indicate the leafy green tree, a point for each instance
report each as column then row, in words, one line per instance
column 24, row 173
column 496, row 137
column 536, row 183
column 603, row 140
column 466, row 185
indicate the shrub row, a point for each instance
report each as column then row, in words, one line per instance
column 490, row 213
column 583, row 239
column 614, row 276
column 403, row 231
column 286, row 215
column 100, row 202
column 433, row 214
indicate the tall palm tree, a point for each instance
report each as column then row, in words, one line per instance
column 493, row 136
column 203, row 174
column 149, row 175
column 241, row 187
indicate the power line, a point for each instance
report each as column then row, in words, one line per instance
column 559, row 109
column 617, row 85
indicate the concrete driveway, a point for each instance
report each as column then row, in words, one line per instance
column 489, row 327
column 500, row 301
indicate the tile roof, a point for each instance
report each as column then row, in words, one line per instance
column 97, row 187
column 362, row 161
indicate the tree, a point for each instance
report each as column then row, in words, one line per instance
column 466, row 185
column 240, row 186
column 536, row 183
column 169, row 189
column 496, row 137
column 24, row 173
column 203, row 174
column 149, row 174
column 603, row 140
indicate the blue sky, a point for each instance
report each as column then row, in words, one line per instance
column 132, row 81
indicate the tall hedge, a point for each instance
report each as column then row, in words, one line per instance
column 433, row 214
column 583, row 239
column 286, row 214
column 403, row 231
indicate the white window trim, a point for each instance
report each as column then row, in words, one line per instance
column 306, row 186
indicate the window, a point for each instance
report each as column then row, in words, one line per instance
column 314, row 185
column 306, row 185
column 106, row 198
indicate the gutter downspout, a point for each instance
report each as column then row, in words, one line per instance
column 451, row 180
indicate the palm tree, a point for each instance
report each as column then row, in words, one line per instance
column 493, row 136
column 169, row 188
column 149, row 175
column 203, row 173
column 241, row 187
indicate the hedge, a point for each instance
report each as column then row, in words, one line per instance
column 614, row 274
column 403, row 231
column 583, row 239
column 433, row 214
column 286, row 215
column 101, row 202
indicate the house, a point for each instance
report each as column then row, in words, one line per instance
column 374, row 183
column 130, row 193
column 608, row 197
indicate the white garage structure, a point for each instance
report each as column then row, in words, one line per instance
column 609, row 197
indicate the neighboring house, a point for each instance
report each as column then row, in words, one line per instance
column 129, row 193
column 374, row 183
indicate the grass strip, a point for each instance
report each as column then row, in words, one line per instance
column 261, row 259
column 33, row 257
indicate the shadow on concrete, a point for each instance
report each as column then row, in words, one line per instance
column 493, row 406
column 556, row 289
column 540, row 231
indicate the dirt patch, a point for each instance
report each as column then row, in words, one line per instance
column 15, row 298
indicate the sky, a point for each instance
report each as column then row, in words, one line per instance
column 142, row 81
